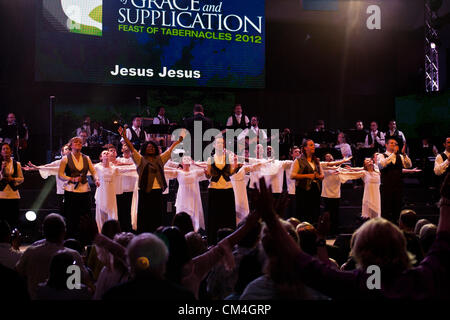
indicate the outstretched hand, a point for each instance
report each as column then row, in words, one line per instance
column 121, row 131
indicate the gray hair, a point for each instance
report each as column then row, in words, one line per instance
column 149, row 247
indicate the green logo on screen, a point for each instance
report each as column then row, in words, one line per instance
column 83, row 17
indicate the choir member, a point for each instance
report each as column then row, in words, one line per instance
column 221, row 203
column 152, row 182
column 306, row 170
column 73, row 169
column 11, row 177
column 391, row 165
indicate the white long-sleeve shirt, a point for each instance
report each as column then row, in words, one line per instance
column 273, row 174
column 375, row 137
column 253, row 131
column 239, row 119
column 382, row 162
column 138, row 132
column 440, row 165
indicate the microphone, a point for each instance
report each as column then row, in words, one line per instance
column 103, row 129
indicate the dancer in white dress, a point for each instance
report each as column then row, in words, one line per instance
column 239, row 180
column 371, row 203
column 188, row 194
column 105, row 195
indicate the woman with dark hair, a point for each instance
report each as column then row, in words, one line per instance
column 152, row 182
column 11, row 177
column 221, row 205
column 306, row 171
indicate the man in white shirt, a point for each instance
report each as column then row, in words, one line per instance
column 393, row 132
column 238, row 120
column 161, row 117
column 442, row 162
column 391, row 165
column 375, row 139
column 254, row 133
column 136, row 134
column 86, row 126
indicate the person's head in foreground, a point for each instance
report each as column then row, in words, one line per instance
column 147, row 256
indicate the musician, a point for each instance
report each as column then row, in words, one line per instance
column 253, row 132
column 84, row 138
column 393, row 132
column 136, row 134
column 306, row 170
column 375, row 139
column 320, row 135
column 73, row 169
column 161, row 117
column 88, row 127
column 11, row 177
column 15, row 135
column 358, row 138
column 238, row 120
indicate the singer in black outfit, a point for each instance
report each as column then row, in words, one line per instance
column 221, row 206
column 306, row 170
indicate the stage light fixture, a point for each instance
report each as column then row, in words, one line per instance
column 433, row 45
column 30, row 215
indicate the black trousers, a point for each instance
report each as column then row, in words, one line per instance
column 124, row 210
column 391, row 202
column 9, row 211
column 308, row 204
column 221, row 212
column 332, row 206
column 60, row 202
column 150, row 212
column 76, row 205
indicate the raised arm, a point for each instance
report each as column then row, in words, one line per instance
column 167, row 154
column 312, row 272
column 130, row 146
column 223, row 250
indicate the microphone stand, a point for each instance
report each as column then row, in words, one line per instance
column 17, row 142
